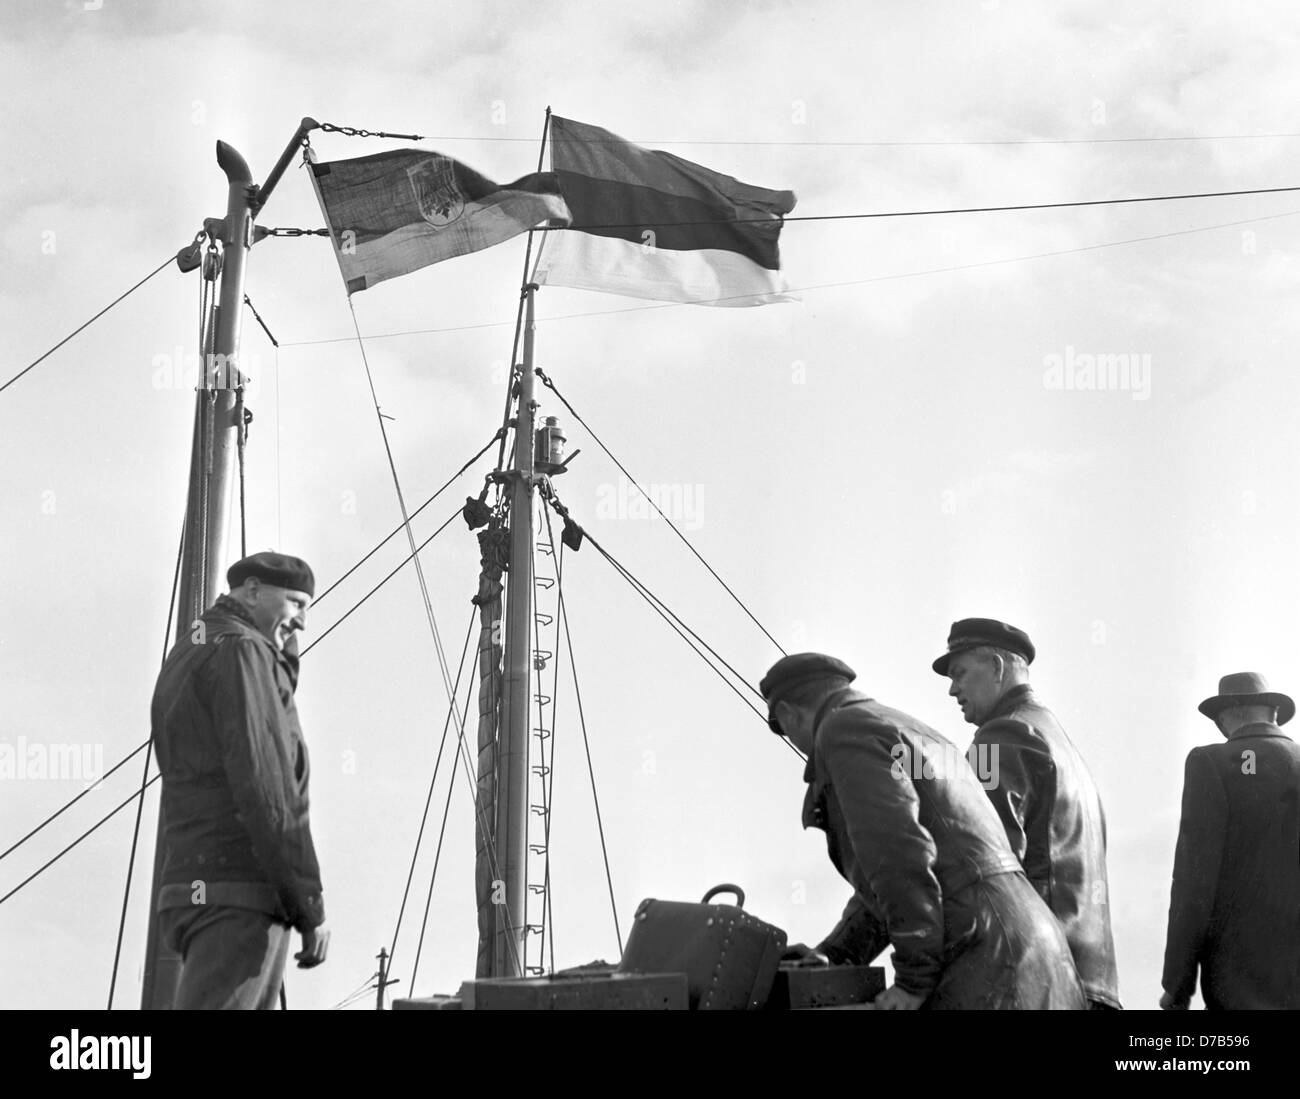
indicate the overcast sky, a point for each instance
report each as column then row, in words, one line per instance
column 904, row 447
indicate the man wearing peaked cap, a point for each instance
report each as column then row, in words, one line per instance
column 240, row 870
column 1043, row 793
column 1235, row 901
column 914, row 835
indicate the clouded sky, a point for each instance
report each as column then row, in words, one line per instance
column 908, row 445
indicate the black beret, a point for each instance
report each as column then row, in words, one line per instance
column 274, row 568
column 790, row 671
column 972, row 633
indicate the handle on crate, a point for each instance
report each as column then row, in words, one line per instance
column 726, row 887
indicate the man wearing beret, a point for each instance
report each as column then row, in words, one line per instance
column 1234, row 911
column 914, row 835
column 1043, row 793
column 240, row 871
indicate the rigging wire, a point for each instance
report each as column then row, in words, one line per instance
column 419, row 838
column 175, row 581
column 148, row 759
column 360, row 987
column 59, row 812
column 662, row 610
column 398, row 568
column 681, row 631
column 92, row 320
column 638, row 584
column 827, row 285
column 406, row 519
column 546, row 381
column 914, row 213
column 894, row 144
column 446, row 809
column 103, row 820
column 563, row 616
column 359, row 995
column 398, row 529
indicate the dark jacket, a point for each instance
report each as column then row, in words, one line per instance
column 1055, row 824
column 908, row 825
column 1235, row 904
column 234, row 773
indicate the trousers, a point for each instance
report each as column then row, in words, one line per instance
column 231, row 958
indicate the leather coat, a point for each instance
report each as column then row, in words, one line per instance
column 1055, row 824
column 1235, row 904
column 234, row 773
column 908, row 826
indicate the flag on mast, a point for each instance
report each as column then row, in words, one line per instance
column 395, row 212
column 652, row 225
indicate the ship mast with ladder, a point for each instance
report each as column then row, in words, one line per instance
column 504, row 796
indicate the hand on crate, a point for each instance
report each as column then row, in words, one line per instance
column 897, row 999
column 802, row 954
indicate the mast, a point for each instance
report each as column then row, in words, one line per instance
column 212, row 462
column 512, row 763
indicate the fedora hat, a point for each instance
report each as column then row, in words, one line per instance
column 1247, row 689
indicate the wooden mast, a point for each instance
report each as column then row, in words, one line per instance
column 212, row 469
column 512, row 761
column 212, row 464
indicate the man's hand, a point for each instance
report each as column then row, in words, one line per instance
column 897, row 999
column 315, row 945
column 801, row 954
column 1168, row 1003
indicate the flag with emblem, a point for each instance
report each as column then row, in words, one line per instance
column 648, row 224
column 395, row 212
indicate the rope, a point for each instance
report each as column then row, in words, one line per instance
column 397, row 529
column 103, row 820
column 899, row 144
column 622, row 569
column 406, row 519
column 916, row 213
column 563, row 616
column 419, row 570
column 59, row 812
column 546, row 381
column 419, row 838
column 148, row 758
column 88, row 323
column 446, row 808
column 826, row 285
column 401, row 564
column 662, row 610
column 175, row 581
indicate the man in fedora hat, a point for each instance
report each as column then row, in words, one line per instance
column 1041, row 788
column 910, row 829
column 1234, row 910
column 240, row 870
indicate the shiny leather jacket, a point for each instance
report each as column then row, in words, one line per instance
column 235, row 772
column 1054, row 821
column 910, row 848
